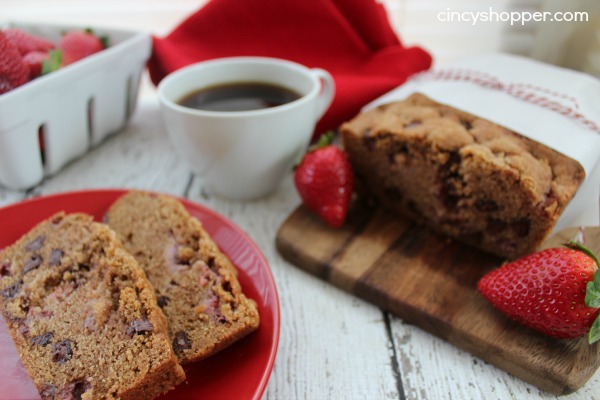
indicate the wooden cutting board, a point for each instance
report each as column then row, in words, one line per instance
column 431, row 281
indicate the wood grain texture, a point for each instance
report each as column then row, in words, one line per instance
column 430, row 281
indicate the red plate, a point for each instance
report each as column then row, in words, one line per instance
column 241, row 371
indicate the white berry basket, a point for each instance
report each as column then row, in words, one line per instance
column 50, row 121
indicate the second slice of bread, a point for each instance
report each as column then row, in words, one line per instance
column 196, row 284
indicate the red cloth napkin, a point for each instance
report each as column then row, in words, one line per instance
column 352, row 39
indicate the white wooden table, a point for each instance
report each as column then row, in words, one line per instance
column 332, row 345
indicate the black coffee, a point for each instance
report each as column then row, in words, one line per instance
column 241, row 96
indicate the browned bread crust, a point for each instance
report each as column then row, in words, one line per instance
column 461, row 175
column 196, row 284
column 83, row 315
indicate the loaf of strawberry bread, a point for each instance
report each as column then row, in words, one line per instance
column 196, row 284
column 461, row 175
column 82, row 314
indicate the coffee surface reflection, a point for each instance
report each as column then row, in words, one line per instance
column 240, row 96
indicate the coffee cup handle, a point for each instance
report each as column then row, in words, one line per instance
column 325, row 96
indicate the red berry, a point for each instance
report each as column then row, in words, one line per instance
column 76, row 45
column 325, row 182
column 34, row 61
column 546, row 291
column 26, row 42
column 13, row 71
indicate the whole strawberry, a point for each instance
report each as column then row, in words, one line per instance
column 325, row 181
column 34, row 60
column 76, row 45
column 13, row 71
column 555, row 291
column 27, row 42
column 41, row 63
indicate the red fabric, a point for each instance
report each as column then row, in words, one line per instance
column 352, row 39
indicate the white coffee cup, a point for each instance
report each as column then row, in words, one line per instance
column 244, row 154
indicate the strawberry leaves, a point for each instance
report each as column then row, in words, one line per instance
column 53, row 62
column 592, row 300
column 594, row 334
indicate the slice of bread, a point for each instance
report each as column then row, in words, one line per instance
column 82, row 314
column 196, row 284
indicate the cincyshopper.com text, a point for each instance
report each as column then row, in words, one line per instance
column 512, row 17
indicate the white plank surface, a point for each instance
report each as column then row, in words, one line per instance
column 333, row 345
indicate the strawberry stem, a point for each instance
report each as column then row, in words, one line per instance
column 579, row 246
column 325, row 140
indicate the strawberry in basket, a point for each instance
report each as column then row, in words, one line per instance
column 76, row 45
column 24, row 56
column 13, row 71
